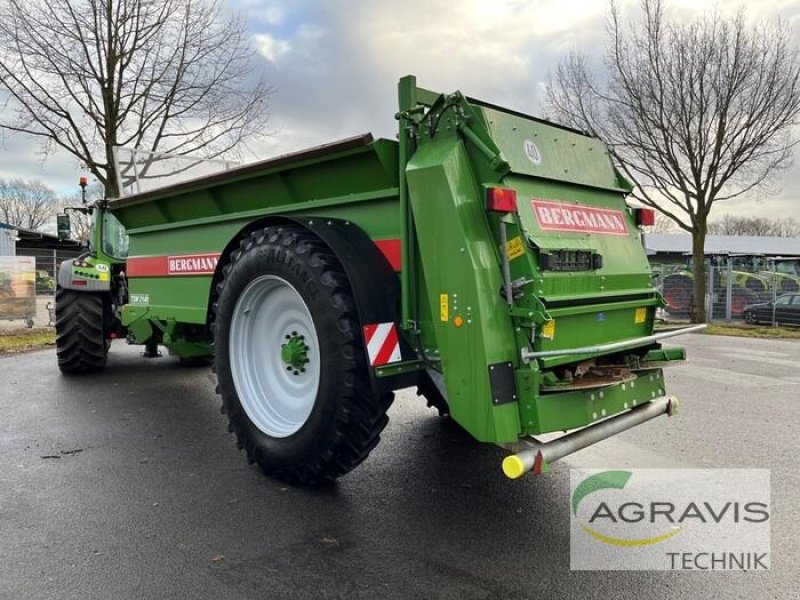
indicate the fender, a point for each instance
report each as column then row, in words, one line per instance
column 376, row 287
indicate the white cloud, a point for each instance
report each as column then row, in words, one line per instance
column 335, row 65
column 271, row 13
column 271, row 48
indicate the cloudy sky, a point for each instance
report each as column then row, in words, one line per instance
column 335, row 66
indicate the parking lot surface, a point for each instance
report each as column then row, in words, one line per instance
column 127, row 485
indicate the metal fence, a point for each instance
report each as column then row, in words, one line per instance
column 747, row 289
column 45, row 274
column 47, row 264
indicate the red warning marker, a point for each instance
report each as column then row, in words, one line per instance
column 383, row 344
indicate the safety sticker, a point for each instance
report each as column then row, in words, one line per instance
column 514, row 248
column 444, row 307
column 549, row 329
column 383, row 344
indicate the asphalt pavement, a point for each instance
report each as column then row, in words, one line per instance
column 127, row 485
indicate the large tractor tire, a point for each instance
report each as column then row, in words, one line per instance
column 81, row 341
column 290, row 360
column 678, row 291
column 740, row 299
column 789, row 284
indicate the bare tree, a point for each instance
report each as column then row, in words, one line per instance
column 663, row 225
column 80, row 223
column 161, row 75
column 788, row 227
column 758, row 226
column 694, row 113
column 26, row 204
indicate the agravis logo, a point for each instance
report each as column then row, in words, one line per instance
column 671, row 519
column 611, row 480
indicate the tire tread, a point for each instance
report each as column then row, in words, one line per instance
column 356, row 428
column 80, row 336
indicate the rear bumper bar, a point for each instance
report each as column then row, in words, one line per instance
column 528, row 355
column 537, row 456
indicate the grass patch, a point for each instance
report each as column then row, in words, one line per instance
column 753, row 331
column 25, row 340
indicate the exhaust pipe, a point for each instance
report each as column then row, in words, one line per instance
column 538, row 456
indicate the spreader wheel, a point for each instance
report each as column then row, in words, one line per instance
column 290, row 361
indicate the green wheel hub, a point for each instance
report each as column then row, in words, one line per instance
column 294, row 353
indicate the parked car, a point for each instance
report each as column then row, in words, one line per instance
column 785, row 311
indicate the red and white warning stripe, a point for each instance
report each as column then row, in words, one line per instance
column 383, row 344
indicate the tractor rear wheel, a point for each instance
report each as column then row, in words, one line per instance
column 81, row 341
column 290, row 359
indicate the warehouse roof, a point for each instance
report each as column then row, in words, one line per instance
column 681, row 243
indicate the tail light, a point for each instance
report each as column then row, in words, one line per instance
column 645, row 217
column 502, row 200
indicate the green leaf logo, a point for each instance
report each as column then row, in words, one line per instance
column 612, row 480
column 598, row 481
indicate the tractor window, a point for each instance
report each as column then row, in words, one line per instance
column 115, row 240
column 786, row 267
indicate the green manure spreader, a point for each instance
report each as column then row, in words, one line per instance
column 486, row 257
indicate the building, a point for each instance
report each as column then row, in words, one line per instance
column 47, row 250
column 8, row 240
column 674, row 248
column 29, row 241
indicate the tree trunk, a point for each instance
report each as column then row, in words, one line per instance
column 112, row 187
column 698, row 315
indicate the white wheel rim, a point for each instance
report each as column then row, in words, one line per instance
column 276, row 396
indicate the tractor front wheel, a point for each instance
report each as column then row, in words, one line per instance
column 290, row 360
column 81, row 341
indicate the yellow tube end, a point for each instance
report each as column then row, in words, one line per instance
column 513, row 467
column 674, row 406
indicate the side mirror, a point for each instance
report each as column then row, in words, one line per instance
column 63, row 226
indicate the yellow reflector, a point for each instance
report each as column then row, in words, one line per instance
column 549, row 329
column 513, row 466
column 640, row 316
